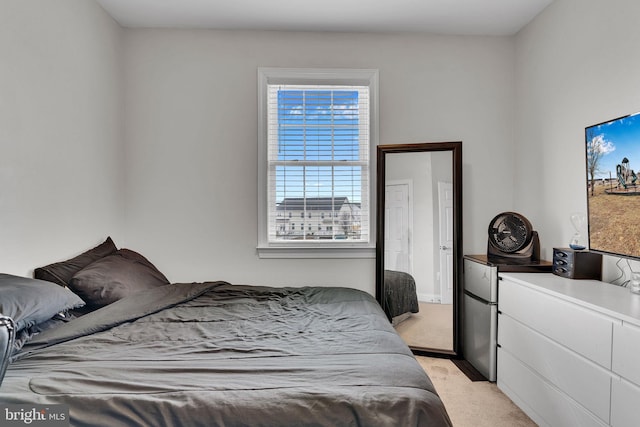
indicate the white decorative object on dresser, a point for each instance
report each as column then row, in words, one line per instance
column 568, row 350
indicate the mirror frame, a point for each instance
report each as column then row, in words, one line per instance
column 456, row 149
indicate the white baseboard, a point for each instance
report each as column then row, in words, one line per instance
column 429, row 298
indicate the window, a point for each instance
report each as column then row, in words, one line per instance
column 317, row 129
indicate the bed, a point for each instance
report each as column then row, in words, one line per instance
column 217, row 354
column 401, row 298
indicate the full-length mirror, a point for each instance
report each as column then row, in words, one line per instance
column 419, row 243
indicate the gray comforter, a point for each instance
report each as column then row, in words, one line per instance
column 400, row 292
column 214, row 354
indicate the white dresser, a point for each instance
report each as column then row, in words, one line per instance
column 569, row 350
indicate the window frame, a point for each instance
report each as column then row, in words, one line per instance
column 314, row 76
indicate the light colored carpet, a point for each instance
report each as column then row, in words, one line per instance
column 472, row 404
column 431, row 327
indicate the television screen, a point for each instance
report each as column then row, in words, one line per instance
column 613, row 186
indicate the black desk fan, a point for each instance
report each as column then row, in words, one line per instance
column 512, row 239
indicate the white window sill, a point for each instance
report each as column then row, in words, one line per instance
column 301, row 251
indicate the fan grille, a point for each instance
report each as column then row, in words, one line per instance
column 510, row 232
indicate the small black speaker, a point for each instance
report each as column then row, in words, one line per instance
column 574, row 264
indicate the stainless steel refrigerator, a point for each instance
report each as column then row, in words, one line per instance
column 481, row 316
column 480, row 307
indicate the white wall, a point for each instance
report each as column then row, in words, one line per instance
column 577, row 65
column 61, row 128
column 519, row 105
column 191, row 138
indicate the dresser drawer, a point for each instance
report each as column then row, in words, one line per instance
column 543, row 400
column 589, row 384
column 581, row 330
column 626, row 352
column 625, row 411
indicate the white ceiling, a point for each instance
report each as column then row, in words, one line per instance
column 463, row 17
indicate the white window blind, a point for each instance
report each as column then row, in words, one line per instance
column 318, row 163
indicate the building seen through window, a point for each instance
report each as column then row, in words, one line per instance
column 326, row 218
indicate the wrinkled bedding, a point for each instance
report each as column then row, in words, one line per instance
column 215, row 354
column 400, row 294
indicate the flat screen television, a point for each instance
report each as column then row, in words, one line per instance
column 613, row 186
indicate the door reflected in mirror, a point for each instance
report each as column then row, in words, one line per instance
column 417, row 247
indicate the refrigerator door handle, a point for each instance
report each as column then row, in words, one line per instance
column 477, row 298
column 493, row 348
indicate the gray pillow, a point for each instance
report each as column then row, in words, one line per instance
column 31, row 301
column 114, row 277
column 62, row 272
